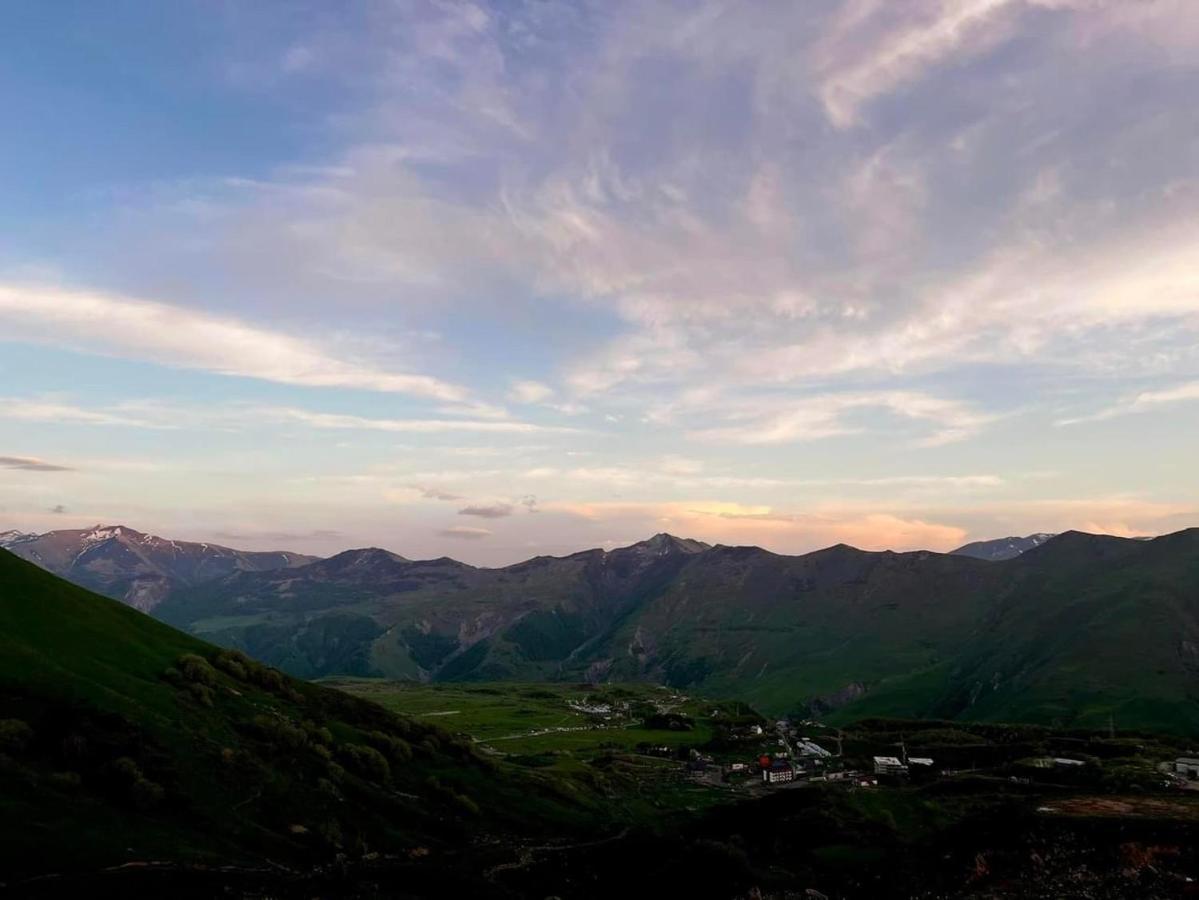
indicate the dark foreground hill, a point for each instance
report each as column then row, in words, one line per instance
column 125, row 742
column 1078, row 630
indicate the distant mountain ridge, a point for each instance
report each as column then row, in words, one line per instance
column 139, row 569
column 1000, row 549
column 1074, row 629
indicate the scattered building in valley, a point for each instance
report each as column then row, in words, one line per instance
column 808, row 748
column 889, row 765
column 778, row 772
column 1187, row 767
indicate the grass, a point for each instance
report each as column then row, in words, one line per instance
column 531, row 718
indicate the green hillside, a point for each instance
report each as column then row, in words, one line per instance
column 1085, row 630
column 123, row 740
column 1079, row 629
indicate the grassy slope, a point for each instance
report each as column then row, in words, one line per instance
column 108, row 752
column 775, row 630
column 1083, row 629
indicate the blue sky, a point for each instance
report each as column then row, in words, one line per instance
column 493, row 280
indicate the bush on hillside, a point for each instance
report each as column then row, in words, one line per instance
column 15, row 735
column 318, row 734
column 233, row 663
column 196, row 669
column 396, row 749
column 126, row 777
column 367, row 762
column 201, row 693
column 280, row 732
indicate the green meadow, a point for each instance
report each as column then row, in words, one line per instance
column 524, row 719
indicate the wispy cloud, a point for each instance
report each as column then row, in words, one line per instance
column 494, row 511
column 418, row 426
column 825, row 416
column 434, row 493
column 529, row 392
column 30, row 464
column 184, row 338
column 1146, row 401
column 835, row 245
column 157, row 415
column 462, row 532
column 869, row 53
column 53, row 411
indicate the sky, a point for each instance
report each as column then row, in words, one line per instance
column 495, row 280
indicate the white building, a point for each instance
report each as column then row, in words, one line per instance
column 1187, row 766
column 889, row 765
column 779, row 770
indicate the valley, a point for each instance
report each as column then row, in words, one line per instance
column 840, row 633
column 139, row 760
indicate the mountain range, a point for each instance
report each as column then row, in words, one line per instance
column 140, row 569
column 1078, row 629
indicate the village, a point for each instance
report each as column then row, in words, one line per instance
column 788, row 757
column 667, row 739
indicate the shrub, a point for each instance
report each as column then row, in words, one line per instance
column 196, row 669
column 318, row 734
column 463, row 802
column 331, row 833
column 367, row 762
column 66, row 781
column 269, row 679
column 201, row 693
column 325, row 786
column 466, row 803
column 280, row 732
column 15, row 735
column 125, row 770
column 127, row 778
column 232, row 662
column 74, row 746
column 431, row 745
column 146, row 793
column 394, row 748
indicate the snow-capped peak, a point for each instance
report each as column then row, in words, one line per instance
column 11, row 537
